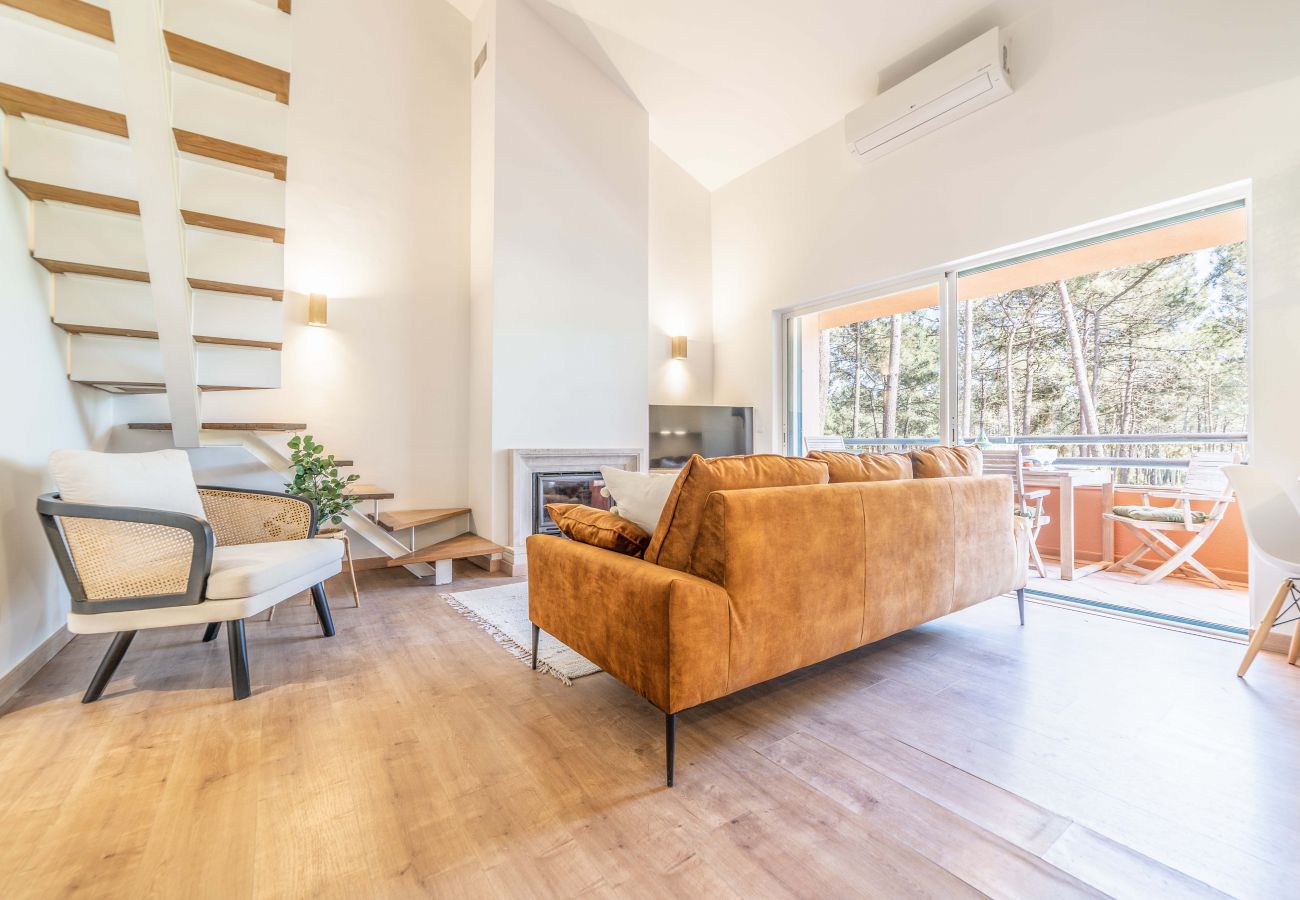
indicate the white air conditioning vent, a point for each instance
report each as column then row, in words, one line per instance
column 968, row 79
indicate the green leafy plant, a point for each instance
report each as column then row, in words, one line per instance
column 316, row 478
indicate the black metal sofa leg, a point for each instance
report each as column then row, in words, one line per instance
column 238, row 659
column 108, row 665
column 322, row 610
column 536, row 633
column 670, row 743
column 1020, row 601
column 210, row 633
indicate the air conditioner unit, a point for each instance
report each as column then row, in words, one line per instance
column 965, row 80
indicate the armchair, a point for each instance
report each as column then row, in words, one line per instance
column 1028, row 504
column 130, row 567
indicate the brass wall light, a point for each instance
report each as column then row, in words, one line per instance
column 317, row 310
column 679, row 347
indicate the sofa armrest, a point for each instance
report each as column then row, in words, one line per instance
column 661, row 632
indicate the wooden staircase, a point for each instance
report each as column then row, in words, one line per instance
column 439, row 554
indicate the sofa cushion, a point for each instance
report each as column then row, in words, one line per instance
column 599, row 528
column 246, row 570
column 674, row 537
column 161, row 479
column 639, row 496
column 946, row 462
column 864, row 466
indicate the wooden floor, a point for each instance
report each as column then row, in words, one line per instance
column 411, row 755
column 1190, row 598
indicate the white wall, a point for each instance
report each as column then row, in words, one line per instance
column 43, row 412
column 377, row 213
column 681, row 288
column 567, row 301
column 1118, row 106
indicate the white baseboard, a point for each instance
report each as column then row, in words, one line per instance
column 19, row 675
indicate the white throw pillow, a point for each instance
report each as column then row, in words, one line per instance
column 639, row 497
column 161, row 479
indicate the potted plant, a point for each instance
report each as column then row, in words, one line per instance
column 316, row 478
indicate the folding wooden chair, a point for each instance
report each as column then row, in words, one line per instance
column 1152, row 525
column 1029, row 506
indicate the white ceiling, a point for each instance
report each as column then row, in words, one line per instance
column 729, row 84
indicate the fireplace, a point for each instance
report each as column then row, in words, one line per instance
column 564, row 487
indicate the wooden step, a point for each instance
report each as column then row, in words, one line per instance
column 229, row 151
column 75, row 14
column 37, row 191
column 153, row 336
column 460, row 547
column 226, row 287
column 16, row 101
column 401, row 519
column 215, row 61
column 368, row 492
column 223, row 426
column 152, row 387
column 62, row 267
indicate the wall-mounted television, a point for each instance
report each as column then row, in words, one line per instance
column 676, row 432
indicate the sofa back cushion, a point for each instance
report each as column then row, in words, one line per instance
column 679, row 525
column 599, row 528
column 846, row 467
column 946, row 462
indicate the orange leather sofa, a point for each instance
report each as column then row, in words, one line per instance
column 742, row 585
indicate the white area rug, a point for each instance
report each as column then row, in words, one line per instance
column 503, row 613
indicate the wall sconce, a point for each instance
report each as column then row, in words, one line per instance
column 679, row 347
column 317, row 313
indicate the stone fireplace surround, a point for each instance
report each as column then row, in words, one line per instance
column 525, row 462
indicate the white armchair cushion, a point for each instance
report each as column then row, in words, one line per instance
column 245, row 570
column 161, row 479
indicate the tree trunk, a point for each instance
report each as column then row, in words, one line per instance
column 1009, row 378
column 857, row 376
column 823, row 376
column 968, row 352
column 1087, row 410
column 891, row 383
column 1027, row 401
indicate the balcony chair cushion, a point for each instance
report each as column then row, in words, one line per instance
column 1158, row 514
column 946, row 462
column 638, row 496
column 161, row 479
column 245, row 570
column 599, row 528
column 674, row 537
column 846, row 466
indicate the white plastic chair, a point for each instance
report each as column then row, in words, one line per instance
column 1273, row 529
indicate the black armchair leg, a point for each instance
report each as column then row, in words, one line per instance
column 1020, row 601
column 108, row 665
column 210, row 633
column 670, row 743
column 536, row 633
column 238, row 659
column 322, row 610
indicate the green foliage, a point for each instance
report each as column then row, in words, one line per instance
column 316, row 478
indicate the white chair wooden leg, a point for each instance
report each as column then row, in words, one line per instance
column 1294, row 653
column 1265, row 626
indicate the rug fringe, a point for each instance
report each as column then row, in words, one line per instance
column 512, row 646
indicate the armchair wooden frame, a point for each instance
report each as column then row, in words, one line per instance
column 177, row 561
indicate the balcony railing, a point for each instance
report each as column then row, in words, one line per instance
column 1202, row 441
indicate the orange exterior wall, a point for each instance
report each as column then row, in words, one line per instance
column 1224, row 553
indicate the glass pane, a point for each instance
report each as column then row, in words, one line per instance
column 867, row 373
column 1128, row 352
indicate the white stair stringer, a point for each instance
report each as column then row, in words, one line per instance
column 275, row 460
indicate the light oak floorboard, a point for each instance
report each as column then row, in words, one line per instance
column 409, row 755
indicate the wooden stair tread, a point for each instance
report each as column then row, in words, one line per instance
column 462, row 546
column 75, row 14
column 401, row 519
column 225, row 287
column 63, row 267
column 229, row 151
column 186, row 51
column 16, row 101
column 72, row 328
column 368, row 491
column 223, row 426
column 153, row 387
